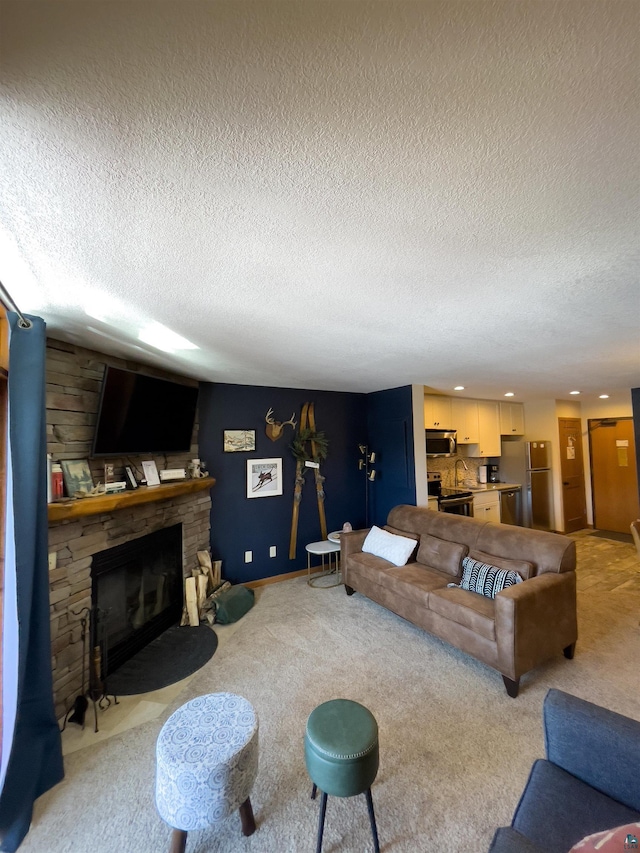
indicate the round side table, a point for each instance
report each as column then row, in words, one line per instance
column 323, row 549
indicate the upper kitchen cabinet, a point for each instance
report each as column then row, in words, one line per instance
column 488, row 428
column 511, row 419
column 437, row 412
column 465, row 420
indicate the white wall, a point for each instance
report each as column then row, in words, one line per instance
column 419, row 444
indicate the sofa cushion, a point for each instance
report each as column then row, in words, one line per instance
column 557, row 810
column 484, row 579
column 441, row 554
column 412, row 581
column 476, row 612
column 523, row 567
column 395, row 549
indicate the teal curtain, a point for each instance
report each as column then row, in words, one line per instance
column 32, row 754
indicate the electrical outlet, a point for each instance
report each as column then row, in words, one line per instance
column 272, row 551
column 248, row 556
column 53, row 560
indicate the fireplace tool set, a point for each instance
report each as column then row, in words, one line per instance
column 92, row 625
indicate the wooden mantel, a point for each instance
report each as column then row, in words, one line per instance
column 122, row 500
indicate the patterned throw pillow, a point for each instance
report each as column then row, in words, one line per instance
column 485, row 579
column 611, row 840
column 395, row 549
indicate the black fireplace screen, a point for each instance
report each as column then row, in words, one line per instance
column 137, row 590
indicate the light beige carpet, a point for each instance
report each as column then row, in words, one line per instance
column 455, row 750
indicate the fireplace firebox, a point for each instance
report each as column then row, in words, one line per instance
column 136, row 591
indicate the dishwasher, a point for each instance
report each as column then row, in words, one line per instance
column 510, row 509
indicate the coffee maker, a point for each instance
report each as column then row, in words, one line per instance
column 492, row 474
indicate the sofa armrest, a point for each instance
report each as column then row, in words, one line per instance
column 597, row 746
column 350, row 543
column 535, row 620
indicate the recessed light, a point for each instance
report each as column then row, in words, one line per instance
column 604, row 396
column 574, row 392
column 459, row 388
column 509, row 394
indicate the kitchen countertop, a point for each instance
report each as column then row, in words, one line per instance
column 486, row 487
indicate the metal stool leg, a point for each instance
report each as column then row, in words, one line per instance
column 314, row 791
column 323, row 811
column 372, row 819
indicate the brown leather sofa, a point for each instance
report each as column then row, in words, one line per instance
column 523, row 626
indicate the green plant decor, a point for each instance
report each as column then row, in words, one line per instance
column 308, row 437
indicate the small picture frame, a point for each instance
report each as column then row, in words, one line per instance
column 132, row 483
column 264, row 478
column 239, row 440
column 151, row 473
column 77, row 477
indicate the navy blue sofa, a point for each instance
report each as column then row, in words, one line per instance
column 589, row 782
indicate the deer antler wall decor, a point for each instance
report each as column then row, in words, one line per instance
column 274, row 428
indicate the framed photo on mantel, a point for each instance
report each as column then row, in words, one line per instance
column 77, row 477
column 151, row 473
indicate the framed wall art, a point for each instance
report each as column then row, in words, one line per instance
column 264, row 478
column 238, row 440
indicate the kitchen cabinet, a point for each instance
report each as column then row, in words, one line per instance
column 511, row 419
column 486, row 506
column 437, row 412
column 464, row 414
column 488, row 428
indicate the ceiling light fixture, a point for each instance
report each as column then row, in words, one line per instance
column 604, row 396
column 162, row 338
column 574, row 392
column 459, row 388
column 509, row 394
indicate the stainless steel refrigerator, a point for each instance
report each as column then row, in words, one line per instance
column 529, row 463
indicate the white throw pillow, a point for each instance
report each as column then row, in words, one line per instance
column 395, row 549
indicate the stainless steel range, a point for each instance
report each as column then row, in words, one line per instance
column 449, row 500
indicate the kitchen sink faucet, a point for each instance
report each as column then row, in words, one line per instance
column 466, row 468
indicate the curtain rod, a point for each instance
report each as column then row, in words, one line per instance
column 7, row 301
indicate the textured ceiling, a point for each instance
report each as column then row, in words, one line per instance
column 338, row 195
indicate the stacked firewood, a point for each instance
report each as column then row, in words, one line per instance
column 201, row 591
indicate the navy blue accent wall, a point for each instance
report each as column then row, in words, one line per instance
column 390, row 436
column 240, row 524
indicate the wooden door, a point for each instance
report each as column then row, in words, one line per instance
column 614, row 479
column 574, row 502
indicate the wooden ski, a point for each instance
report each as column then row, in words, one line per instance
column 318, row 476
column 297, row 491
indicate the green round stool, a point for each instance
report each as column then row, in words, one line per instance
column 341, row 754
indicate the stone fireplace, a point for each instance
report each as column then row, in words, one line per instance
column 83, row 529
column 75, row 542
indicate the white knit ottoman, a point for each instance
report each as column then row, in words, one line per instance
column 206, row 764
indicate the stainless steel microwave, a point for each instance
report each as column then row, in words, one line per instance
column 441, row 442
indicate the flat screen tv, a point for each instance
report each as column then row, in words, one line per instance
column 142, row 414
